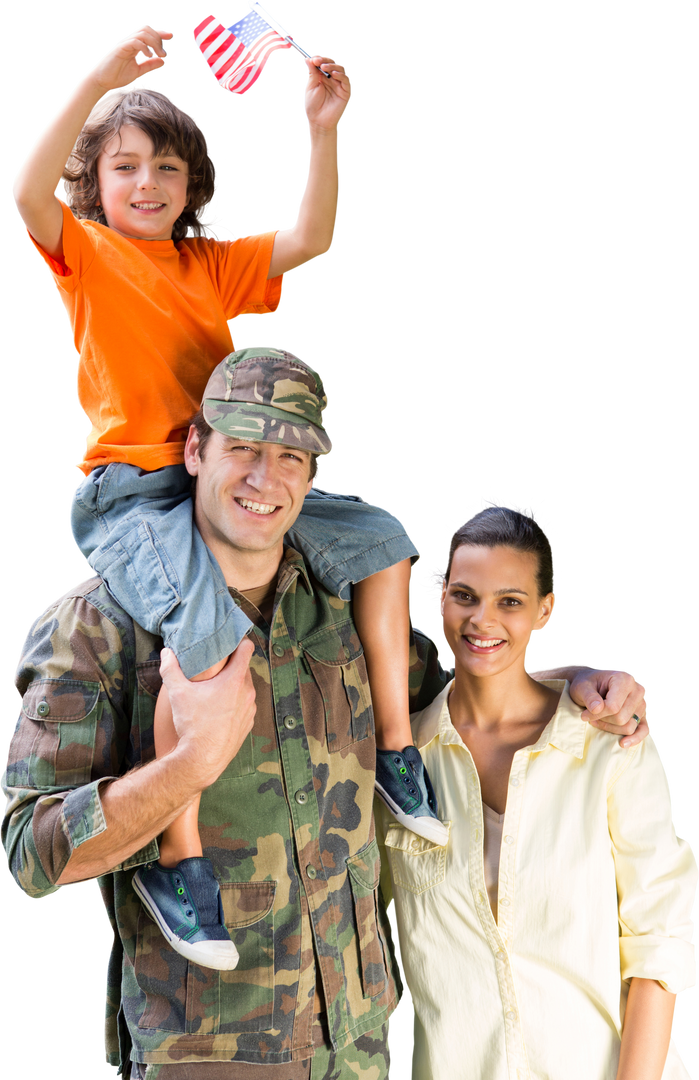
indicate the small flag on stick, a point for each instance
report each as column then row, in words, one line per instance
column 238, row 54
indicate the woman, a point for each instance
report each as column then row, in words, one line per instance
column 549, row 936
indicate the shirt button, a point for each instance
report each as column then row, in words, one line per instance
column 514, row 781
column 346, row 652
column 278, row 650
column 504, row 902
column 311, row 871
column 511, row 1015
column 290, row 722
column 509, row 839
column 43, row 708
column 301, row 798
column 499, row 955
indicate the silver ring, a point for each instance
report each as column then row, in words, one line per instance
column 637, row 719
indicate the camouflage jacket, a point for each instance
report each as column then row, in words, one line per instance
column 288, row 826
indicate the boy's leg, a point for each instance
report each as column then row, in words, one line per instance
column 382, row 617
column 181, row 839
column 346, row 541
column 136, row 529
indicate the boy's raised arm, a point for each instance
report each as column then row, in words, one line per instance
column 35, row 186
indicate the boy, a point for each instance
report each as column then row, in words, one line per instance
column 149, row 307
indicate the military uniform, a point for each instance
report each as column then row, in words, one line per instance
column 288, row 826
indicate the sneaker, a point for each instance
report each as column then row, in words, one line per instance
column 185, row 902
column 403, row 784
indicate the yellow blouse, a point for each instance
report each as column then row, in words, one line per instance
column 593, row 888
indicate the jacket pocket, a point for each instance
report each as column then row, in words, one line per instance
column 364, row 870
column 247, row 992
column 184, row 998
column 57, row 747
column 416, row 864
column 336, row 660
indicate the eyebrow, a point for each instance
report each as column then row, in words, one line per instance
column 500, row 592
column 134, row 153
column 233, row 441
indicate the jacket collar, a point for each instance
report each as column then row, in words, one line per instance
column 565, row 730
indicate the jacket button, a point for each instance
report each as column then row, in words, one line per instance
column 311, row 871
column 301, row 798
column 43, row 708
column 346, row 652
column 290, row 722
column 278, row 650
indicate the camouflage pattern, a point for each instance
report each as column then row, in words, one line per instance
column 267, row 395
column 288, row 826
column 365, row 1059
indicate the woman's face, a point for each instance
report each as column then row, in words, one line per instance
column 490, row 606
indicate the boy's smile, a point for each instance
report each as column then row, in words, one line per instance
column 141, row 196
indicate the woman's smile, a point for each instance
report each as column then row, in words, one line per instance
column 483, row 645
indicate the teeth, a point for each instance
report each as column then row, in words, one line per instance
column 257, row 508
column 484, row 643
column 148, row 205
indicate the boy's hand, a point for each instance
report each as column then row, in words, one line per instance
column 121, row 66
column 326, row 98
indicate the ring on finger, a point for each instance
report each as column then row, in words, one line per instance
column 637, row 719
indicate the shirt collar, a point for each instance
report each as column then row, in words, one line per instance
column 291, row 566
column 565, row 730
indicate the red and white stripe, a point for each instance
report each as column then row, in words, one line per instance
column 235, row 66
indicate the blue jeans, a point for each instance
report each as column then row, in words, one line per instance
column 136, row 529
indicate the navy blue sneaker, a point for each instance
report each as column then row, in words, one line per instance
column 185, row 902
column 403, row 784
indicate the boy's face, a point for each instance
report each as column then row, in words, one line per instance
column 141, row 196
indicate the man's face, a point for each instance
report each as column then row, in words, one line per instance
column 248, row 494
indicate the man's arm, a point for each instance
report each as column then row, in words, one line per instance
column 613, row 701
column 76, row 807
column 36, row 184
column 212, row 720
column 312, row 234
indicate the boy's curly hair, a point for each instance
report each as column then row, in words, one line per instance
column 171, row 132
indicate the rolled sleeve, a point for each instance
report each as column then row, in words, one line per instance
column 656, row 874
column 42, row 830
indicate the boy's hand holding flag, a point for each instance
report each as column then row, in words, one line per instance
column 238, row 54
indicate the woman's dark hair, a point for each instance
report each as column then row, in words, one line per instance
column 205, row 432
column 499, row 527
column 170, row 130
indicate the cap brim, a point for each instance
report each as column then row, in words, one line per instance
column 263, row 423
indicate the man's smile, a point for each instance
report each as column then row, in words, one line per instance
column 256, row 507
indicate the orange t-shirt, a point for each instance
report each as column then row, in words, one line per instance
column 149, row 320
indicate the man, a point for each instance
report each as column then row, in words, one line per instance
column 279, row 745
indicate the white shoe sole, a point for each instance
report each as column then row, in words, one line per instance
column 218, row 955
column 428, row 828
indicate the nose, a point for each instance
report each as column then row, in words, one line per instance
column 147, row 178
column 262, row 475
column 482, row 616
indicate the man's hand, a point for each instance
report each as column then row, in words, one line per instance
column 326, row 98
column 212, row 718
column 612, row 701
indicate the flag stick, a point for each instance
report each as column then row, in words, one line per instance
column 279, row 26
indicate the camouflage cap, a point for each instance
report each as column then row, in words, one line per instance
column 267, row 395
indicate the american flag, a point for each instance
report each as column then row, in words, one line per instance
column 237, row 55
